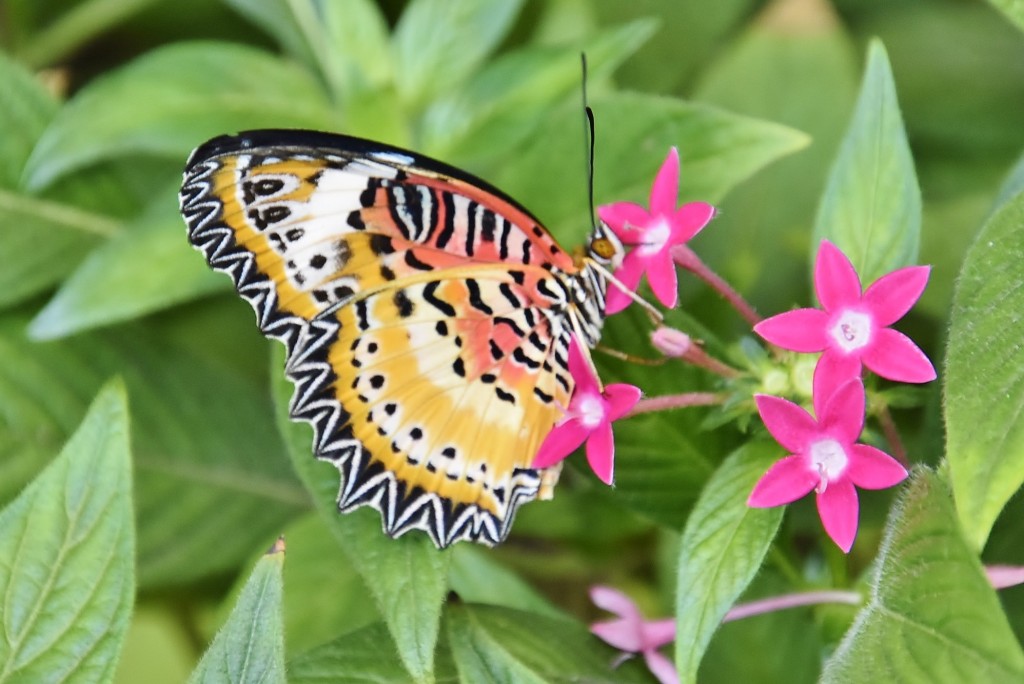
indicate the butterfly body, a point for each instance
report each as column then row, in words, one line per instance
column 427, row 318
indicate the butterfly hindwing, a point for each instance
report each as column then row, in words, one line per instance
column 423, row 312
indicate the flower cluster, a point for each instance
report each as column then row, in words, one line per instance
column 851, row 331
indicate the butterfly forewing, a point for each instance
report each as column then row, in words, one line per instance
column 424, row 314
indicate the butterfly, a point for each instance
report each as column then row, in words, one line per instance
column 426, row 316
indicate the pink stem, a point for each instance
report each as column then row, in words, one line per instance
column 688, row 259
column 674, row 401
column 892, row 435
column 810, row 598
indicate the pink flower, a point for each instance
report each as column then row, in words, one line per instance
column 853, row 327
column 824, row 457
column 632, row 634
column 653, row 234
column 588, row 419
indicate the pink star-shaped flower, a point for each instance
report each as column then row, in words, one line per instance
column 853, row 327
column 653, row 234
column 630, row 633
column 588, row 419
column 824, row 457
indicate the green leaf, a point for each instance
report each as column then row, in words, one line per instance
column 491, row 644
column 366, row 655
column 180, row 95
column 315, row 561
column 635, row 132
column 438, row 43
column 499, row 106
column 1013, row 9
column 871, row 208
column 25, row 110
column 250, row 646
column 722, row 548
column 932, row 615
column 353, row 48
column 760, row 239
column 983, row 373
column 277, row 18
column 148, row 266
column 1012, row 184
column 407, row 576
column 477, row 578
column 211, row 479
column 67, row 545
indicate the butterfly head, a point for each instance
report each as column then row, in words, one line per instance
column 605, row 247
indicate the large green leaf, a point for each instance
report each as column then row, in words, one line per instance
column 250, row 646
column 932, row 615
column 211, row 479
column 437, row 43
column 634, row 133
column 477, row 578
column 760, row 238
column 1013, row 9
column 491, row 644
column 315, row 561
column 723, row 545
column 171, row 99
column 984, row 373
column 67, row 545
column 498, row 107
column 871, row 208
column 364, row 656
column 146, row 267
column 407, row 576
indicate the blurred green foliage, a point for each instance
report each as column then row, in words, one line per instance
column 100, row 103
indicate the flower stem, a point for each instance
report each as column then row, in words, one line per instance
column 674, row 401
column 688, row 259
column 808, row 598
column 892, row 435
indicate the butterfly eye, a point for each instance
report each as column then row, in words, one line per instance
column 602, row 247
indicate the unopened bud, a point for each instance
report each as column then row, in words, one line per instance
column 671, row 342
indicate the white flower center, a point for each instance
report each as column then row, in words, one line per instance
column 655, row 238
column 591, row 410
column 852, row 330
column 829, row 459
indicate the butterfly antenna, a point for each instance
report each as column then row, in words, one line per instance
column 588, row 141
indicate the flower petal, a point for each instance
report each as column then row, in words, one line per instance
column 626, row 220
column 893, row 355
column 661, row 274
column 843, row 413
column 872, row 468
column 891, row 296
column 835, row 280
column 621, row 398
column 657, row 633
column 560, row 442
column 833, row 370
column 614, row 601
column 800, row 330
column 629, row 275
column 620, row 633
column 661, row 667
column 838, row 509
column 786, row 481
column 601, row 452
column 665, row 189
column 790, row 425
column 689, row 220
column 582, row 373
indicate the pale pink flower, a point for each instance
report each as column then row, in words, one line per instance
column 853, row 328
column 824, row 457
column 630, row 633
column 653, row 234
column 588, row 419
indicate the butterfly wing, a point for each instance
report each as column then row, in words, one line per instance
column 424, row 314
